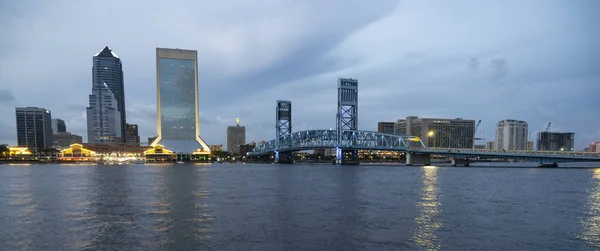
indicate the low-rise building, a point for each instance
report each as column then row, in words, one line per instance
column 64, row 140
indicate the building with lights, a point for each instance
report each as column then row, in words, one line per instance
column 236, row 136
column 34, row 128
column 435, row 132
column 178, row 118
column 104, row 125
column 107, row 69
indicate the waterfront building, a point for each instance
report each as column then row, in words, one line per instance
column 178, row 118
column 511, row 135
column 490, row 145
column 58, row 125
column 132, row 138
column 236, row 136
column 436, row 132
column 555, row 141
column 103, row 118
column 385, row 127
column 107, row 69
column 34, row 128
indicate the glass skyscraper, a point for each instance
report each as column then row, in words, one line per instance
column 178, row 123
column 34, row 128
column 107, row 69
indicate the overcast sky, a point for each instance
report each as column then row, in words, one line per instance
column 537, row 61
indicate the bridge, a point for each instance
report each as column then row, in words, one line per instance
column 347, row 140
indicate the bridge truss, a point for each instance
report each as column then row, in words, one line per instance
column 349, row 139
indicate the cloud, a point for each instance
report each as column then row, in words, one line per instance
column 531, row 60
column 6, row 96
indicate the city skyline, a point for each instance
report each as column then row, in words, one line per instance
column 538, row 69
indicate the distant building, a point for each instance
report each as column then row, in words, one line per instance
column 132, row 138
column 236, row 136
column 511, row 135
column 385, row 127
column 435, row 132
column 58, row 125
column 216, row 148
column 555, row 141
column 63, row 140
column 490, row 145
column 107, row 70
column 151, row 139
column 594, row 147
column 34, row 128
column 529, row 145
column 104, row 125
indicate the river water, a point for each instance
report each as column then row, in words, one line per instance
column 297, row 207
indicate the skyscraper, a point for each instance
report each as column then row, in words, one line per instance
column 34, row 128
column 103, row 118
column 58, row 125
column 178, row 118
column 236, row 136
column 107, row 69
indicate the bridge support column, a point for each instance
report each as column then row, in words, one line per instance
column 418, row 159
column 284, row 157
column 460, row 161
column 346, row 157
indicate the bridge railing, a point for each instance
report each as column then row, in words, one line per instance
column 522, row 152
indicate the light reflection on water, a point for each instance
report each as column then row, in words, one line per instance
column 427, row 221
column 591, row 223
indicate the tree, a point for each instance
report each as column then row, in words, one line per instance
column 4, row 150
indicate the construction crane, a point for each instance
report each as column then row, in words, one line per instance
column 475, row 138
column 476, row 130
column 548, row 127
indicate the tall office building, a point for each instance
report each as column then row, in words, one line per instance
column 434, row 132
column 107, row 69
column 511, row 135
column 103, row 118
column 178, row 118
column 555, row 141
column 34, row 128
column 236, row 136
column 132, row 137
column 385, row 127
column 58, row 125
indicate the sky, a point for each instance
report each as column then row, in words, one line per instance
column 536, row 60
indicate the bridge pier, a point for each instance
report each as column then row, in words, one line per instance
column 284, row 157
column 346, row 157
column 460, row 161
column 418, row 159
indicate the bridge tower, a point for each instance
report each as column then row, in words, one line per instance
column 347, row 114
column 283, row 127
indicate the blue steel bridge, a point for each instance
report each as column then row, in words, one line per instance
column 347, row 139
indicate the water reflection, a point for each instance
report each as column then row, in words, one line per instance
column 348, row 228
column 591, row 224
column 111, row 215
column 183, row 217
column 428, row 209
